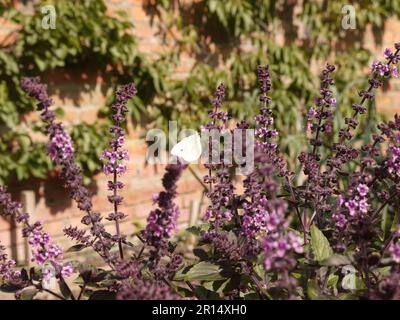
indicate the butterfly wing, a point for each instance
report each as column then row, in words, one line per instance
column 188, row 149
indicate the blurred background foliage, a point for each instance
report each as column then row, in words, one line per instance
column 296, row 38
column 87, row 39
column 228, row 39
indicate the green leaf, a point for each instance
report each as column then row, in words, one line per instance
column 65, row 290
column 312, row 290
column 320, row 244
column 252, row 296
column 332, row 281
column 28, row 293
column 103, row 295
column 395, row 222
column 203, row 293
column 9, row 288
column 204, row 271
column 199, row 229
column 336, row 260
column 76, row 248
column 221, row 286
column 346, row 296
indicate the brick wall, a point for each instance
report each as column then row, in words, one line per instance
column 49, row 202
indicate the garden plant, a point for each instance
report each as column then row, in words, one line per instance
column 333, row 235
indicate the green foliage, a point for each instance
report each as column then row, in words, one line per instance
column 89, row 141
column 230, row 38
column 320, row 244
column 227, row 39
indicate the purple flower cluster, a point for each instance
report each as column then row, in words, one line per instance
column 264, row 120
column 388, row 288
column 161, row 221
column 279, row 246
column 279, row 243
column 60, row 145
column 232, row 251
column 255, row 219
column 220, row 198
column 393, row 164
column 355, row 207
column 44, row 250
column 259, row 185
column 146, row 290
column 319, row 122
column 61, row 151
column 114, row 157
column 221, row 189
column 7, row 272
column 127, row 269
column 167, row 270
column 320, row 117
column 216, row 114
column 385, row 69
column 394, row 251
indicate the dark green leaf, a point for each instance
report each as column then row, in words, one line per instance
column 9, row 288
column 103, row 295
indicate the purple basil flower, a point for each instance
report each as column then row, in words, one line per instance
column 61, row 151
column 394, row 251
column 114, row 158
column 146, row 290
column 161, row 221
column 43, row 249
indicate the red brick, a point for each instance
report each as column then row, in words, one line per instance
column 89, row 115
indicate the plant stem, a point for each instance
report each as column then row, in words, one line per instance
column 140, row 252
column 198, row 178
column 256, row 281
column 294, row 201
column 376, row 213
column 82, row 291
column 51, row 292
column 115, row 193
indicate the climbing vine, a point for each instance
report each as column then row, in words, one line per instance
column 228, row 39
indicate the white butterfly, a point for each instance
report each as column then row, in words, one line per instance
column 188, row 149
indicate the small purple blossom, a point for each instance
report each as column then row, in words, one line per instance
column 395, row 252
column 7, row 271
column 66, row 271
column 60, row 145
column 362, row 189
column 380, row 68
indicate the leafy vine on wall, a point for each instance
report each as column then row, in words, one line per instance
column 227, row 40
